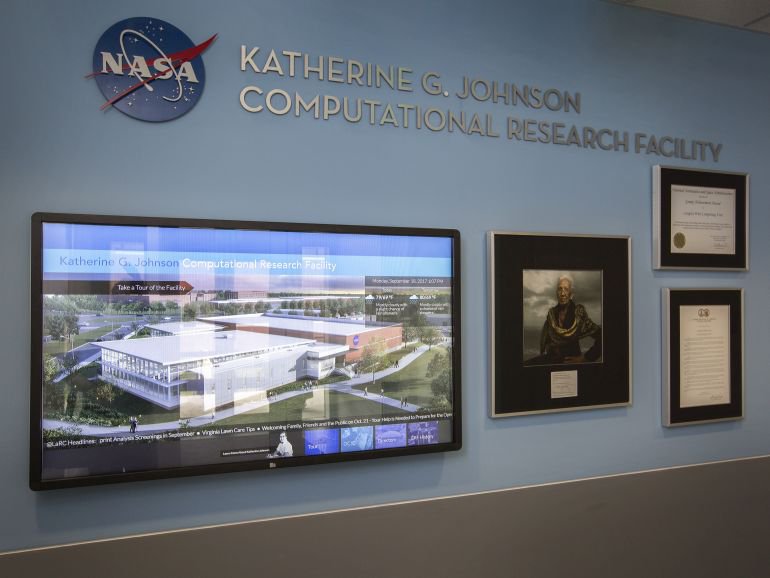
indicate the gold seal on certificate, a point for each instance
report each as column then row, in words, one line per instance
column 700, row 219
column 704, row 218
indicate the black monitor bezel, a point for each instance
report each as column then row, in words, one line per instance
column 36, row 348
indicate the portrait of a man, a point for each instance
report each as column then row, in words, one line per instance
column 562, row 317
column 284, row 449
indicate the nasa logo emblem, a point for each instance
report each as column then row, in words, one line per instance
column 149, row 69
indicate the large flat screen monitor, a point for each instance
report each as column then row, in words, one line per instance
column 169, row 347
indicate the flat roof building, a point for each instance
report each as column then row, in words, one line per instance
column 352, row 333
column 180, row 328
column 160, row 369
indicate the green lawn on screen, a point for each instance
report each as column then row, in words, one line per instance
column 411, row 381
column 317, row 405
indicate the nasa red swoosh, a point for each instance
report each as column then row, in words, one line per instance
column 177, row 58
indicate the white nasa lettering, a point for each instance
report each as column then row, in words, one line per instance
column 108, row 61
column 139, row 68
column 162, row 64
column 143, row 65
column 113, row 64
column 187, row 72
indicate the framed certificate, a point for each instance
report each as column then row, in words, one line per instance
column 559, row 322
column 702, row 355
column 700, row 219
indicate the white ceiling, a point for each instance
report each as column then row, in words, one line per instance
column 746, row 14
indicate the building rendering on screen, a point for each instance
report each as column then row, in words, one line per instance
column 234, row 359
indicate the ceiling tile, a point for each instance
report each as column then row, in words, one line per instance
column 730, row 12
column 762, row 25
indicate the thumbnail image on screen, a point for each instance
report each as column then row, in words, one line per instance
column 187, row 346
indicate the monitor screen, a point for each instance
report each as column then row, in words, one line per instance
column 171, row 347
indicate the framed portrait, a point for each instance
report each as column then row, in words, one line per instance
column 560, row 322
column 700, row 219
column 702, row 355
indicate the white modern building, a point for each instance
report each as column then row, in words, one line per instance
column 180, row 328
column 223, row 367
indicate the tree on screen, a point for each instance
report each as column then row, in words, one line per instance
column 372, row 359
column 430, row 336
column 440, row 369
column 105, row 391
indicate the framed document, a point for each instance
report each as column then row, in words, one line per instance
column 700, row 219
column 702, row 355
column 559, row 322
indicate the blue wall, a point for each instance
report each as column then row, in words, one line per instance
column 637, row 71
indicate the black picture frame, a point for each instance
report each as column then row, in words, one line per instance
column 717, row 249
column 720, row 402
column 521, row 265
